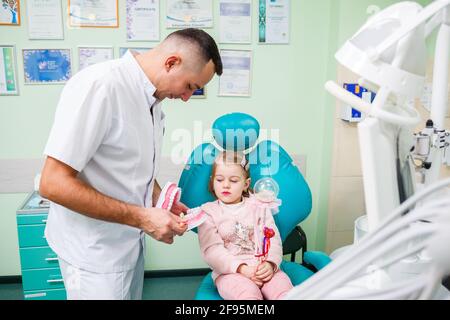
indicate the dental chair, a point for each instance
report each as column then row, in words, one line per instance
column 239, row 132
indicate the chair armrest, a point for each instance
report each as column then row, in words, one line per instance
column 317, row 259
column 295, row 241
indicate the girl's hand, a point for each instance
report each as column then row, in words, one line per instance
column 246, row 270
column 264, row 272
column 259, row 283
column 249, row 272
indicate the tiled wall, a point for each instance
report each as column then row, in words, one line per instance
column 346, row 199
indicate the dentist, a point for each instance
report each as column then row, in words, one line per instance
column 103, row 155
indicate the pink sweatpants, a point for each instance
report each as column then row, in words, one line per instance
column 236, row 286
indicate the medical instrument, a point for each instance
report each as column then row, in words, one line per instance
column 404, row 253
column 371, row 268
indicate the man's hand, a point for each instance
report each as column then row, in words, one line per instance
column 264, row 271
column 178, row 208
column 249, row 272
column 161, row 224
column 60, row 184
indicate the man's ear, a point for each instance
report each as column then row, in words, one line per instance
column 171, row 62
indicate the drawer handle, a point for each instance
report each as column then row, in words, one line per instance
column 44, row 221
column 51, row 259
column 35, row 295
column 55, row 281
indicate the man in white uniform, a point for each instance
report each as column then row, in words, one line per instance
column 103, row 155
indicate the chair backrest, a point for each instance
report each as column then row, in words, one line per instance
column 240, row 132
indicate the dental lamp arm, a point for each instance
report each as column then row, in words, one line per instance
column 422, row 17
column 433, row 23
column 363, row 106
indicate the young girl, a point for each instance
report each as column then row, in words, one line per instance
column 227, row 237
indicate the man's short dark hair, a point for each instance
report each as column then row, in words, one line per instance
column 206, row 44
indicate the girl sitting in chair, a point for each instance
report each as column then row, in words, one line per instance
column 238, row 240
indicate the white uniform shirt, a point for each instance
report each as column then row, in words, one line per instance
column 108, row 127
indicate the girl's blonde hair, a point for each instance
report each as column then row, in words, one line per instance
column 230, row 157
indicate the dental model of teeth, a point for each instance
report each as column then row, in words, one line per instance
column 171, row 194
column 194, row 217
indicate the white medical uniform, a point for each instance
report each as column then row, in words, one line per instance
column 108, row 127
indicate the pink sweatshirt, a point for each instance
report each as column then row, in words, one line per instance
column 227, row 237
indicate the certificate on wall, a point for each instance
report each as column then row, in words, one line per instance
column 123, row 50
column 93, row 13
column 274, row 21
column 8, row 74
column 235, row 21
column 236, row 77
column 142, row 20
column 46, row 66
column 88, row 56
column 45, row 19
column 10, row 12
column 189, row 14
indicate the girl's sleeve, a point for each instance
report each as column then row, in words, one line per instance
column 213, row 249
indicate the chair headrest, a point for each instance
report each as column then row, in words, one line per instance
column 236, row 131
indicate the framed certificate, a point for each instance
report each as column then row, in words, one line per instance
column 10, row 12
column 142, row 20
column 123, row 50
column 46, row 66
column 199, row 93
column 45, row 19
column 236, row 78
column 88, row 56
column 235, row 21
column 274, row 21
column 8, row 71
column 189, row 14
column 93, row 13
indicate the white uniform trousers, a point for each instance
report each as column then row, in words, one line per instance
column 85, row 285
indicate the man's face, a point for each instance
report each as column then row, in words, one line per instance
column 179, row 81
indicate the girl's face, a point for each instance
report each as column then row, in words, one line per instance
column 229, row 182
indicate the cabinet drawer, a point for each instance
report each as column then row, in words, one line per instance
column 37, row 258
column 58, row 294
column 31, row 219
column 32, row 236
column 41, row 279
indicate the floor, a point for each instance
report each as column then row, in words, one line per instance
column 163, row 288
column 160, row 288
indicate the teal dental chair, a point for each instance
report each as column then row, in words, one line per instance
column 239, row 132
